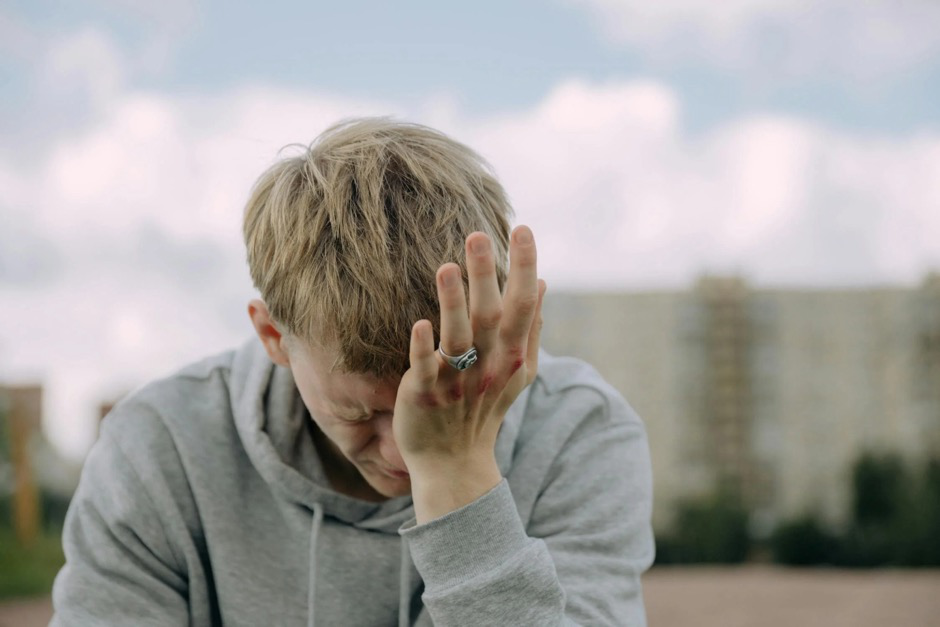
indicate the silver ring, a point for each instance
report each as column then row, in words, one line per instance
column 460, row 362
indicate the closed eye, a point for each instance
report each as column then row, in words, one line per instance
column 354, row 418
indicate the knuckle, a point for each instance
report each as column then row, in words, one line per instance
column 527, row 302
column 514, row 353
column 456, row 391
column 489, row 319
column 428, row 399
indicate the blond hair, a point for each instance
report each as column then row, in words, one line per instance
column 344, row 240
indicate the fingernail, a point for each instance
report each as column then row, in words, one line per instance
column 480, row 245
column 448, row 278
column 523, row 236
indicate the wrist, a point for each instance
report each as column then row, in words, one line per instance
column 442, row 486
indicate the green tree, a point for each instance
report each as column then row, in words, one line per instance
column 803, row 542
column 896, row 514
column 878, row 484
column 711, row 530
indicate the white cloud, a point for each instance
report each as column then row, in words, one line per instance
column 85, row 65
column 860, row 40
column 81, row 69
column 143, row 211
column 163, row 25
column 620, row 196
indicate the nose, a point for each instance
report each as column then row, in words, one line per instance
column 387, row 447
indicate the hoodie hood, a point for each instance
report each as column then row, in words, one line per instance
column 270, row 417
column 271, row 420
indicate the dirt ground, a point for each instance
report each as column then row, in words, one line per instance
column 737, row 597
column 772, row 597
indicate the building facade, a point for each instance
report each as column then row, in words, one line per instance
column 767, row 394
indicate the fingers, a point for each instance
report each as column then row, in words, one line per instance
column 535, row 331
column 522, row 292
column 505, row 328
column 456, row 334
column 486, row 303
column 496, row 324
column 424, row 364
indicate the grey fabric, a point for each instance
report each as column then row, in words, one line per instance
column 204, row 503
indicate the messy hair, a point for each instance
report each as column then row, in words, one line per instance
column 345, row 239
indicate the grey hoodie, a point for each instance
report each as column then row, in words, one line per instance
column 204, row 503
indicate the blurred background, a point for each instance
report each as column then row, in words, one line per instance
column 737, row 207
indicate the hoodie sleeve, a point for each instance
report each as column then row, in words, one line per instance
column 580, row 558
column 121, row 568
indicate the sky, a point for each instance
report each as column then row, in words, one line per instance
column 793, row 143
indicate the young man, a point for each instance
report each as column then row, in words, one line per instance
column 392, row 447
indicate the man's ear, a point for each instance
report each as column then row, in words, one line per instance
column 273, row 340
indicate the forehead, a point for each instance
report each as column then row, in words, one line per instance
column 338, row 390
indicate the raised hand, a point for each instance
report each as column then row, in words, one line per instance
column 446, row 420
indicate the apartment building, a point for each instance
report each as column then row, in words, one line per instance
column 767, row 393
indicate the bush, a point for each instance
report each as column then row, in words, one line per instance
column 896, row 514
column 895, row 520
column 52, row 508
column 710, row 531
column 878, row 486
column 29, row 571
column 803, row 542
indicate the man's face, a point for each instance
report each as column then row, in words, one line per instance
column 354, row 412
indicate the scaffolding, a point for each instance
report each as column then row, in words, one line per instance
column 728, row 401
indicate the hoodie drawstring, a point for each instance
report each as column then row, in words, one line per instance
column 404, row 586
column 404, row 579
column 312, row 584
